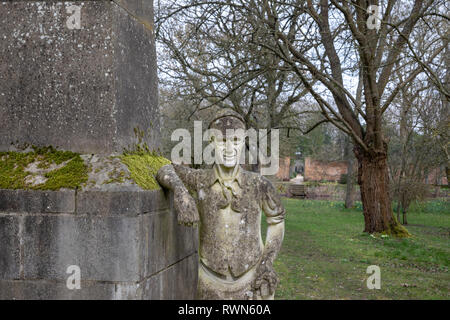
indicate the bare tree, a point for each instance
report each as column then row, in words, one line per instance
column 213, row 63
column 325, row 45
column 413, row 151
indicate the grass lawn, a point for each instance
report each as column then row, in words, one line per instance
column 325, row 254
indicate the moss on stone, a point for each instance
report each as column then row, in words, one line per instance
column 142, row 162
column 143, row 167
column 115, row 176
column 13, row 164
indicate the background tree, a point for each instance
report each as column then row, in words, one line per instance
column 325, row 45
column 208, row 56
column 413, row 152
column 376, row 53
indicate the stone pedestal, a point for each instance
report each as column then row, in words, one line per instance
column 86, row 90
column 83, row 90
column 127, row 244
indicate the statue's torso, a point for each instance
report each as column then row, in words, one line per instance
column 230, row 227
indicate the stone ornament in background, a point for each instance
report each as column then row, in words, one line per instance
column 234, row 261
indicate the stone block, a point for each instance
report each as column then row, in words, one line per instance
column 116, row 248
column 141, row 9
column 155, row 201
column 178, row 282
column 108, row 203
column 9, row 247
column 105, row 248
column 168, row 242
column 37, row 201
column 126, row 201
column 84, row 89
column 57, row 290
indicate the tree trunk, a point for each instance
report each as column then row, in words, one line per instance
column 350, row 192
column 447, row 172
column 405, row 222
column 437, row 188
column 373, row 180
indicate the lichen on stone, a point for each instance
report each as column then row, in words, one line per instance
column 42, row 169
column 115, row 176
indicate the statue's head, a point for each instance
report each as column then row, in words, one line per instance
column 228, row 137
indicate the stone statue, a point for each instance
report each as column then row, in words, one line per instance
column 234, row 261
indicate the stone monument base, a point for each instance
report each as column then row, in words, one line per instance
column 125, row 240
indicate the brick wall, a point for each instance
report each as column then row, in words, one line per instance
column 283, row 171
column 316, row 170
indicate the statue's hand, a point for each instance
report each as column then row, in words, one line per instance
column 185, row 207
column 266, row 280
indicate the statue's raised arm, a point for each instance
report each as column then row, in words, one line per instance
column 185, row 206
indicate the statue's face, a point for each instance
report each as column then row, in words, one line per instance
column 228, row 149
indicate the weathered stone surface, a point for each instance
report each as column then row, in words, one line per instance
column 108, row 203
column 114, row 254
column 179, row 281
column 141, row 9
column 105, row 248
column 155, row 201
column 125, row 201
column 82, row 90
column 167, row 240
column 51, row 290
column 136, row 84
column 37, row 201
column 86, row 90
column 9, row 247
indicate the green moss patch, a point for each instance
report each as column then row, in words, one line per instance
column 14, row 174
column 397, row 230
column 143, row 167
